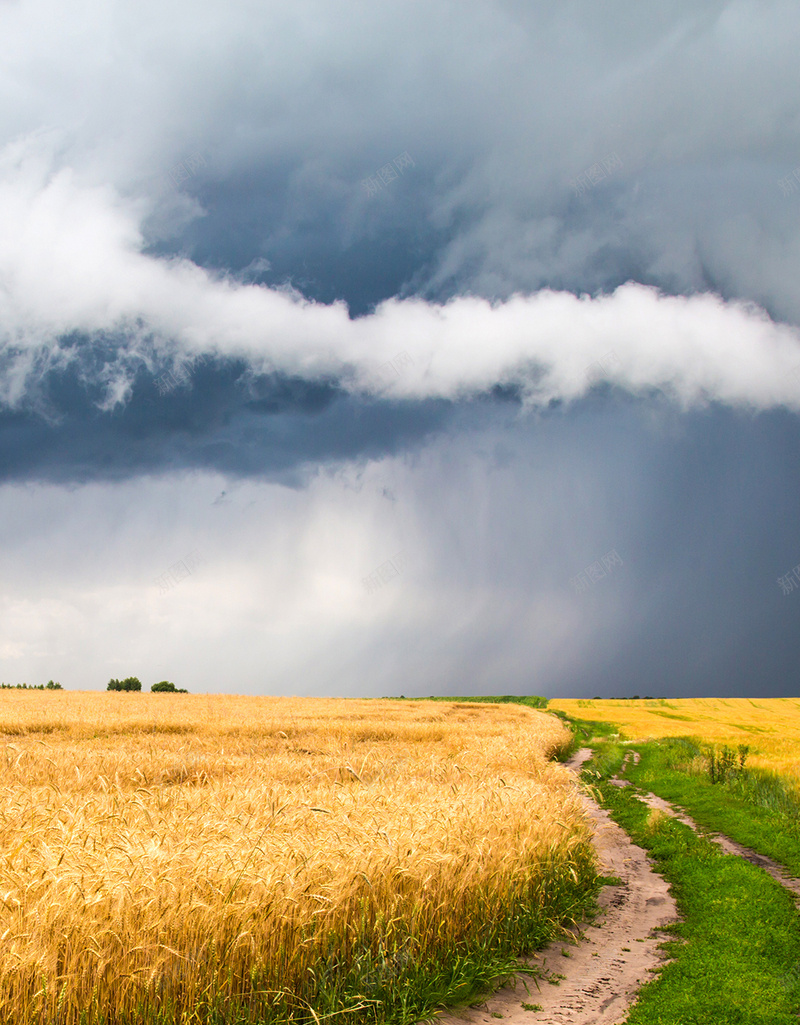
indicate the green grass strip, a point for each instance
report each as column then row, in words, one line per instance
column 737, row 951
column 531, row 700
column 728, row 808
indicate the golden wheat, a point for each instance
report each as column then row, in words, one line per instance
column 167, row 851
column 769, row 726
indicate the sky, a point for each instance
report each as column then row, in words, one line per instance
column 438, row 348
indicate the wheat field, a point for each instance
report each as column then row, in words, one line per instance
column 179, row 858
column 769, row 726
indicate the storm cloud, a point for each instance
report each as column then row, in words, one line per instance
column 405, row 320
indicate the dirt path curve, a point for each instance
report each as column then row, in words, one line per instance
column 607, row 962
column 776, row 870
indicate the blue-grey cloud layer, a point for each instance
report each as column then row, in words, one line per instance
column 176, row 183
column 215, row 417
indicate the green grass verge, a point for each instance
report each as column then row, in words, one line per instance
column 737, row 951
column 756, row 809
column 531, row 700
column 583, row 733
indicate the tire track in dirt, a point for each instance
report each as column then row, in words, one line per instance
column 774, row 868
column 601, row 966
column 729, row 846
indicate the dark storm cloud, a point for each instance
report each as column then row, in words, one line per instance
column 213, row 416
column 243, row 229
column 559, row 146
column 698, row 604
column 177, row 182
column 364, row 154
column 498, row 516
column 700, row 509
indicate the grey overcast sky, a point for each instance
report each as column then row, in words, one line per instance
column 441, row 347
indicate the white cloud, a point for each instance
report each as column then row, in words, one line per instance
column 71, row 260
column 501, row 104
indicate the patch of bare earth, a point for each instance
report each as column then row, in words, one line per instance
column 596, row 972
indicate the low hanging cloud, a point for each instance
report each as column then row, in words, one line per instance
column 573, row 211
column 73, row 262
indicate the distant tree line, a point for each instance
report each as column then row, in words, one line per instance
column 129, row 683
column 31, row 686
column 132, row 683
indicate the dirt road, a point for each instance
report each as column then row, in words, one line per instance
column 600, row 972
column 729, row 846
